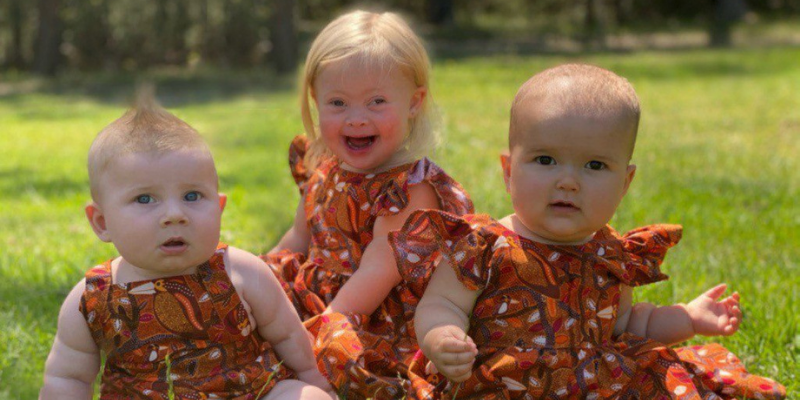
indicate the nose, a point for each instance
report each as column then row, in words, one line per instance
column 568, row 181
column 356, row 118
column 174, row 214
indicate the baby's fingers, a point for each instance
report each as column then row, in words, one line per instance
column 453, row 345
column 458, row 373
column 455, row 359
column 731, row 328
column 731, row 300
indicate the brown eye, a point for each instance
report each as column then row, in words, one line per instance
column 545, row 160
column 595, row 165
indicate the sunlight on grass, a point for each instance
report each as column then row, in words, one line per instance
column 717, row 152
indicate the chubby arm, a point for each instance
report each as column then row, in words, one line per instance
column 377, row 273
column 275, row 318
column 298, row 237
column 706, row 315
column 74, row 360
column 441, row 321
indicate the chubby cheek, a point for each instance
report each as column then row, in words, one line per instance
column 328, row 128
column 390, row 122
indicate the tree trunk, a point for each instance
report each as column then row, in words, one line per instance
column 14, row 55
column 284, row 36
column 440, row 12
column 726, row 13
column 622, row 11
column 48, row 40
column 593, row 36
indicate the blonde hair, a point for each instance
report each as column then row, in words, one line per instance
column 146, row 128
column 585, row 89
column 380, row 40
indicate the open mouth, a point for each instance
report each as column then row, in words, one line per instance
column 359, row 143
column 564, row 205
column 174, row 245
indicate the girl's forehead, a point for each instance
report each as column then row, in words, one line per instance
column 357, row 66
column 354, row 76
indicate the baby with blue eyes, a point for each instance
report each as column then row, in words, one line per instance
column 176, row 299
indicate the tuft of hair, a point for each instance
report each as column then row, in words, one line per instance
column 582, row 89
column 145, row 128
column 379, row 40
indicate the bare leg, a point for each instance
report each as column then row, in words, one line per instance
column 292, row 389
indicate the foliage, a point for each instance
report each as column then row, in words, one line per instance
column 131, row 35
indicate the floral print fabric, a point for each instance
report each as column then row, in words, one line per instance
column 197, row 320
column 544, row 319
column 362, row 355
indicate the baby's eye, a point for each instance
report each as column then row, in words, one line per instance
column 596, row 165
column 192, row 196
column 144, row 199
column 336, row 103
column 545, row 160
column 379, row 100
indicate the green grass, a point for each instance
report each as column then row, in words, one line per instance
column 717, row 152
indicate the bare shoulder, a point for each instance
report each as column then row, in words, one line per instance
column 242, row 260
column 72, row 302
column 249, row 274
column 420, row 197
column 423, row 195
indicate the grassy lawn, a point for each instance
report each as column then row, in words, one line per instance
column 717, row 152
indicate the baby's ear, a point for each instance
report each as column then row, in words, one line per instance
column 505, row 162
column 630, row 172
column 98, row 221
column 223, row 199
column 417, row 100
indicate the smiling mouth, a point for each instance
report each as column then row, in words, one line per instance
column 359, row 143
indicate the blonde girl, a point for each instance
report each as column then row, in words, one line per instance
column 361, row 170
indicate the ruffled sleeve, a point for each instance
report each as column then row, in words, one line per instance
column 431, row 235
column 297, row 153
column 393, row 195
column 641, row 252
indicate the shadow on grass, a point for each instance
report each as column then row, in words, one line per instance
column 175, row 87
column 20, row 182
column 178, row 87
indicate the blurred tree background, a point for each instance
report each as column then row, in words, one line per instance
column 48, row 36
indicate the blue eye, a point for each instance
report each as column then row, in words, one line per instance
column 545, row 160
column 596, row 165
column 144, row 199
column 191, row 196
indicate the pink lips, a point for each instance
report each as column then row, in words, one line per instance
column 174, row 246
column 566, row 206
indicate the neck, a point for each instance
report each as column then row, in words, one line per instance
column 513, row 223
column 124, row 272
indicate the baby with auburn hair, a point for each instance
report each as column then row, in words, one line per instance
column 539, row 303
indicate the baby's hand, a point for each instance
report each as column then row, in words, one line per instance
column 453, row 353
column 711, row 317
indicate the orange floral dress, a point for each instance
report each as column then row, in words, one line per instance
column 197, row 320
column 544, row 320
column 362, row 355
